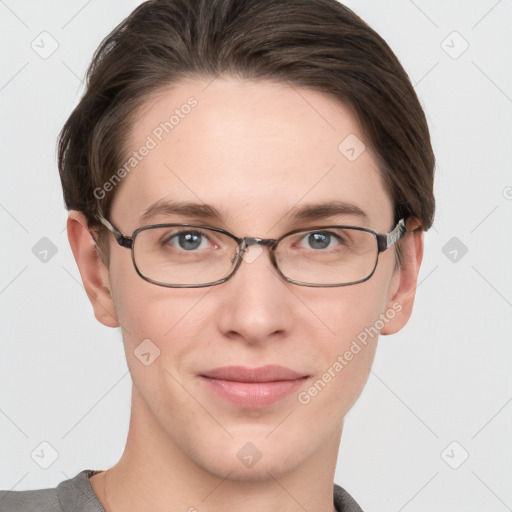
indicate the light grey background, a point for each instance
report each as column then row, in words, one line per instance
column 440, row 389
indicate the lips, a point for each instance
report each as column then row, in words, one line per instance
column 268, row 373
column 252, row 388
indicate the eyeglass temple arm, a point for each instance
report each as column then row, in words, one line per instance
column 386, row 241
column 122, row 240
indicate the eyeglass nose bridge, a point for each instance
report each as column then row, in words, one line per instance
column 244, row 243
column 250, row 240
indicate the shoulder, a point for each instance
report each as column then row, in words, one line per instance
column 43, row 500
column 343, row 501
column 72, row 495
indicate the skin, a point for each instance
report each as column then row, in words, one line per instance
column 253, row 150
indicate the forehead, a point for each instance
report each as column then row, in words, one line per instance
column 253, row 150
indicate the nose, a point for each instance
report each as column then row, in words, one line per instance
column 255, row 304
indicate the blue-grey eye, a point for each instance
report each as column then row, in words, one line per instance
column 319, row 240
column 187, row 240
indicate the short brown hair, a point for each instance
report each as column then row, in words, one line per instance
column 318, row 44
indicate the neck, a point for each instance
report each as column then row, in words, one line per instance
column 155, row 474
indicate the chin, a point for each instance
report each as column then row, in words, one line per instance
column 262, row 471
column 251, row 461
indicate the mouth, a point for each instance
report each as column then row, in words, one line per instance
column 252, row 388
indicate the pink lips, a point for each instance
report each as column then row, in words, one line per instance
column 253, row 388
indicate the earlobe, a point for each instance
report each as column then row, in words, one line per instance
column 402, row 294
column 94, row 274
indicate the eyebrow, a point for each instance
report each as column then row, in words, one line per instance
column 307, row 212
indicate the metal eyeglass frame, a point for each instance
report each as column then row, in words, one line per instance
column 384, row 241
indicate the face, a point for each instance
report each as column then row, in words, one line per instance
column 256, row 152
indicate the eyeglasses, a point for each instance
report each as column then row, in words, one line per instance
column 193, row 256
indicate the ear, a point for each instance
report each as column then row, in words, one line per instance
column 94, row 273
column 403, row 285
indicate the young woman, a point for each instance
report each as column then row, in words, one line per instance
column 248, row 184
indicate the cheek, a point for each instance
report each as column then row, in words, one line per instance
column 353, row 317
column 171, row 326
column 349, row 311
column 161, row 321
column 164, row 330
column 163, row 315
